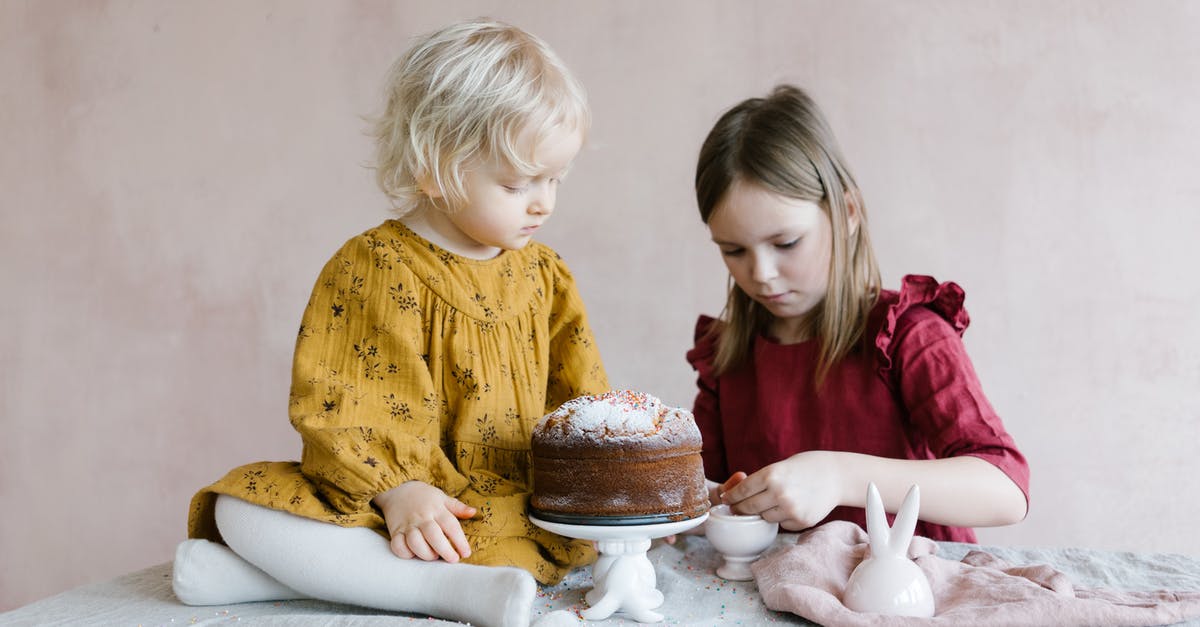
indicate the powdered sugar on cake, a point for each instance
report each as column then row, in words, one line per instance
column 612, row 416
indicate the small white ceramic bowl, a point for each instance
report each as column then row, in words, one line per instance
column 739, row 539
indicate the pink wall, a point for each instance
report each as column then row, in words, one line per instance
column 175, row 174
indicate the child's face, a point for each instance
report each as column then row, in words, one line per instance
column 776, row 248
column 505, row 207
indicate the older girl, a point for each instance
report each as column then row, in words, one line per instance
column 815, row 381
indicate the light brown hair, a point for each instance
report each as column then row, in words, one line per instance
column 783, row 143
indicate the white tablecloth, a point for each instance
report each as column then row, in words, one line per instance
column 694, row 594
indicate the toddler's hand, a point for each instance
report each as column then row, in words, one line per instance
column 423, row 522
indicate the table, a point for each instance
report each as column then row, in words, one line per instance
column 694, row 594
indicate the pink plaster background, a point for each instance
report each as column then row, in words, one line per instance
column 173, row 175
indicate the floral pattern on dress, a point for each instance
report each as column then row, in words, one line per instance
column 413, row 363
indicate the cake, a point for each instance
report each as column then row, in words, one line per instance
column 617, row 458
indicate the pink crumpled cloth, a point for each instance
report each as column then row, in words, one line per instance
column 808, row 579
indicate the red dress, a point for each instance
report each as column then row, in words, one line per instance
column 910, row 393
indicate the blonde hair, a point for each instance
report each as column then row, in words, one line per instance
column 468, row 92
column 783, row 143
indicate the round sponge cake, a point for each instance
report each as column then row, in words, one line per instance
column 617, row 458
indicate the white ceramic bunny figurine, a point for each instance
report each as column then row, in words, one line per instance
column 887, row 581
column 625, row 581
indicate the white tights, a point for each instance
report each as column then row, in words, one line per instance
column 274, row 555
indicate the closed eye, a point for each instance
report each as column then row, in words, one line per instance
column 787, row 245
column 732, row 252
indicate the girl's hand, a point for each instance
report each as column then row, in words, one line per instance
column 797, row 492
column 423, row 522
column 716, row 491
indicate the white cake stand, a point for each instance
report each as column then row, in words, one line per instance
column 623, row 576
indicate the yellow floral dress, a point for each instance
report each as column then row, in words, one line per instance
column 413, row 363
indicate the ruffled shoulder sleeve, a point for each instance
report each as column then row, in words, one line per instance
column 704, row 349
column 918, row 295
column 707, row 407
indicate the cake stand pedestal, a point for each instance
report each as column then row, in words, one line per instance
column 624, row 577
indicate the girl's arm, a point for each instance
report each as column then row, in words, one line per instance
column 957, row 491
column 800, row 491
column 360, row 386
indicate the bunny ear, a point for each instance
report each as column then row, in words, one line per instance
column 877, row 527
column 906, row 522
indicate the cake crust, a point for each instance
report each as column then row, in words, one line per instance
column 616, row 456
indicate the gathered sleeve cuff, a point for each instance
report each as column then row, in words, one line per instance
column 349, row 477
column 706, row 408
column 575, row 367
column 362, row 396
column 920, row 349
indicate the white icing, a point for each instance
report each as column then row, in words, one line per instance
column 605, row 414
column 615, row 415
